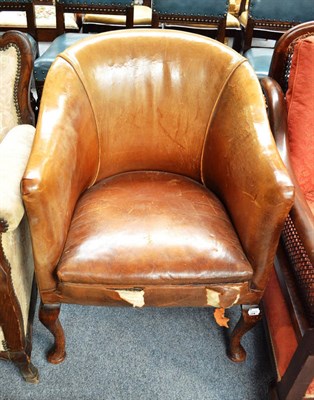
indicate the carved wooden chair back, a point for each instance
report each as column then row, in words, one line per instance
column 26, row 6
column 120, row 7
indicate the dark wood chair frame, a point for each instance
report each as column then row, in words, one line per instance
column 91, row 8
column 180, row 21
column 49, row 34
column 39, row 34
column 299, row 225
column 97, row 27
column 18, row 344
column 29, row 9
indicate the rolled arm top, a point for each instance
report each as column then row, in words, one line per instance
column 14, row 153
column 63, row 163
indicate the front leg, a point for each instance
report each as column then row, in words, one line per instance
column 48, row 316
column 249, row 318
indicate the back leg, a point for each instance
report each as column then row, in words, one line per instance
column 27, row 369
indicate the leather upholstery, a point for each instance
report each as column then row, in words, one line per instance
column 162, row 102
column 191, row 7
column 269, row 19
column 34, row 46
column 295, row 11
column 109, row 242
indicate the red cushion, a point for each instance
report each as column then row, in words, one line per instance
column 300, row 103
column 283, row 337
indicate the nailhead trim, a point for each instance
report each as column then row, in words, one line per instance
column 17, row 79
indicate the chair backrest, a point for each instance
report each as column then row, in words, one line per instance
column 16, row 65
column 118, row 7
column 187, row 12
column 281, row 60
column 276, row 16
column 277, row 13
column 26, row 6
column 158, row 132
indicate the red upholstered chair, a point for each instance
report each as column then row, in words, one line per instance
column 154, row 179
column 290, row 98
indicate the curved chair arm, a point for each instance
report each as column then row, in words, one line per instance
column 301, row 214
column 282, row 49
column 242, row 165
column 14, row 152
column 63, row 163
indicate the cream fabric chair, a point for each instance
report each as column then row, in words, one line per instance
column 16, row 262
column 101, row 22
column 45, row 19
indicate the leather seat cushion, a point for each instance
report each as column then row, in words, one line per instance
column 151, row 228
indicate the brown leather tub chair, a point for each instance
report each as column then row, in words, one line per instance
column 154, row 179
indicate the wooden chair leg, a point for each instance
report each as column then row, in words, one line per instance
column 48, row 316
column 249, row 318
column 27, row 369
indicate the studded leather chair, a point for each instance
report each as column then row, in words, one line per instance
column 269, row 19
column 154, row 179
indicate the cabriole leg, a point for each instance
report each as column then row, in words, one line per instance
column 249, row 318
column 48, row 316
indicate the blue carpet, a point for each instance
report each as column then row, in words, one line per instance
column 143, row 354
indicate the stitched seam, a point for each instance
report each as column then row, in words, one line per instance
column 68, row 60
column 240, row 62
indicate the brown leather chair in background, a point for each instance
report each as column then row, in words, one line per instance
column 154, row 179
